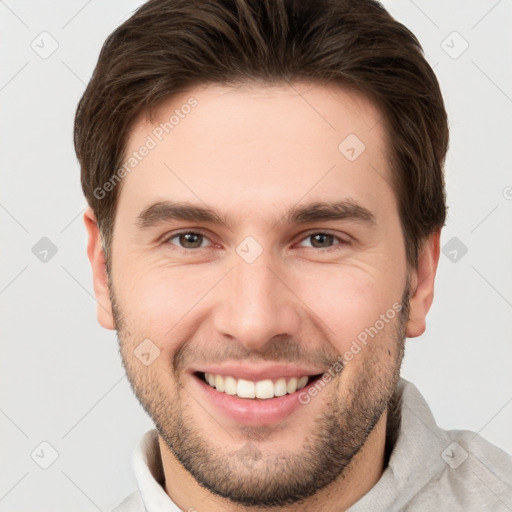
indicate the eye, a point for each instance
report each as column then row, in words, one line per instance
column 322, row 240
column 189, row 240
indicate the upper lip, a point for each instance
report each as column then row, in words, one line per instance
column 257, row 372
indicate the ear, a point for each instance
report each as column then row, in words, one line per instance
column 422, row 285
column 99, row 271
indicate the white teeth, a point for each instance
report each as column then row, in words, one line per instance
column 262, row 389
column 302, row 382
column 245, row 389
column 280, row 387
column 230, row 386
column 265, row 389
column 219, row 382
column 291, row 387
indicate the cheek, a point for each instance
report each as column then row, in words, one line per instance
column 158, row 302
column 349, row 300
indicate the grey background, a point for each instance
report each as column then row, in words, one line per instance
column 61, row 377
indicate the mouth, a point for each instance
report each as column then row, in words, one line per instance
column 256, row 395
column 256, row 390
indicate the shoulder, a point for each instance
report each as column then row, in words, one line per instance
column 475, row 456
column 477, row 476
column 455, row 469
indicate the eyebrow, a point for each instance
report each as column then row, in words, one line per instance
column 347, row 209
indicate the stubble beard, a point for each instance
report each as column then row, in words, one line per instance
column 259, row 478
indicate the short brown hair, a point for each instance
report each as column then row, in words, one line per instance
column 169, row 46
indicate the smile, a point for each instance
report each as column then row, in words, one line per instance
column 263, row 389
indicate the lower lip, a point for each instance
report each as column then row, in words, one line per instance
column 252, row 411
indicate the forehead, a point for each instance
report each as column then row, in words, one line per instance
column 301, row 112
column 281, row 141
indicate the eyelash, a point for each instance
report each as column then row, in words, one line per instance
column 340, row 240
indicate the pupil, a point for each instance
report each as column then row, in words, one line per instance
column 191, row 240
column 322, row 238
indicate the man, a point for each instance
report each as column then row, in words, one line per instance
column 266, row 192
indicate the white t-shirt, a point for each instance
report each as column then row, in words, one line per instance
column 429, row 469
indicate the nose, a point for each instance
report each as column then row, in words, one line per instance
column 257, row 304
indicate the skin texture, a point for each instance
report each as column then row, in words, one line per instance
column 251, row 153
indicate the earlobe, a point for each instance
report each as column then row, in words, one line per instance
column 96, row 257
column 422, row 285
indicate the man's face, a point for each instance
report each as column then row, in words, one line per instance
column 262, row 295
